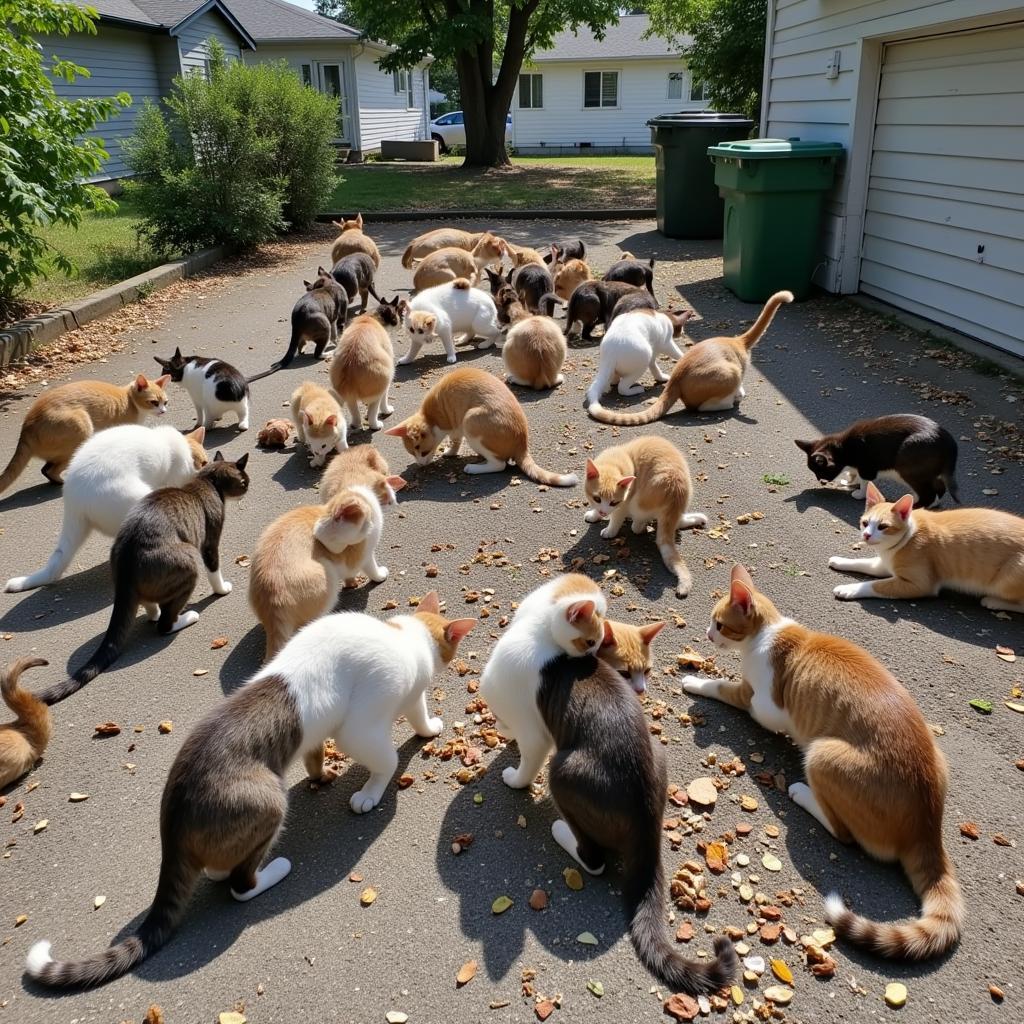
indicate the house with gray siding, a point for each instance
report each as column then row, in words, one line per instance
column 140, row 46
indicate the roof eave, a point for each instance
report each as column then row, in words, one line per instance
column 605, row 58
column 224, row 12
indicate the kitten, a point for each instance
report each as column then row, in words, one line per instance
column 319, row 421
column 363, row 365
column 534, row 349
column 215, row 387
column 563, row 252
column 569, row 276
column 361, row 465
column 608, row 780
column 632, row 271
column 523, row 255
column 318, row 316
column 874, row 773
column 973, row 550
column 61, row 419
column 22, row 741
column 709, row 377
column 352, row 239
column 354, row 273
column 440, row 238
column 913, row 449
column 631, row 346
column 447, row 310
column 646, row 478
column 628, row 650
column 445, row 265
column 347, row 676
column 592, row 302
column 566, row 615
column 153, row 563
column 111, row 472
column 303, row 557
column 474, row 405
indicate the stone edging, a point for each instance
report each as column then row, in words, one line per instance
column 399, row 216
column 19, row 339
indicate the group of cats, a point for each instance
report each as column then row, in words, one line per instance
column 562, row 678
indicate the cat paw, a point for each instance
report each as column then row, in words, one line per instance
column 16, row 584
column 267, row 877
column 847, row 592
column 510, row 776
column 405, row 360
column 696, row 685
column 450, row 360
column 435, row 726
column 184, row 620
column 683, row 589
column 380, row 575
column 838, row 562
column 591, row 516
column 361, row 802
column 610, row 532
column 224, row 588
column 375, row 424
column 152, row 612
column 799, row 792
column 216, row 875
column 387, row 410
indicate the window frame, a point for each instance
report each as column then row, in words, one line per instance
column 674, row 77
column 397, row 80
column 306, row 74
column 617, row 105
column 533, row 90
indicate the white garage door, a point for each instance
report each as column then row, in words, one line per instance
column 944, row 226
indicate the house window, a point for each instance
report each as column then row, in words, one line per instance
column 675, row 85
column 403, row 84
column 307, row 74
column 600, row 88
column 698, row 91
column 531, row 92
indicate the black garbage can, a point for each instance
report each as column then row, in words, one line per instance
column 689, row 205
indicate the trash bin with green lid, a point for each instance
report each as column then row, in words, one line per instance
column 688, row 202
column 774, row 191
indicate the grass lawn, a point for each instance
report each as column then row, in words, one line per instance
column 538, row 183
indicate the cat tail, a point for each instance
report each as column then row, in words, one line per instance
column 752, row 335
column 935, row 931
column 33, row 717
column 19, row 460
column 644, row 894
column 545, row 476
column 547, row 302
column 266, row 373
column 407, row 260
column 177, row 880
column 654, row 411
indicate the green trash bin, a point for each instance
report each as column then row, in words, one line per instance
column 774, row 191
column 688, row 202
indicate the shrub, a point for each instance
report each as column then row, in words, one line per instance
column 44, row 150
column 239, row 157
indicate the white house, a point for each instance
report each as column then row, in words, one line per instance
column 141, row 45
column 927, row 96
column 584, row 93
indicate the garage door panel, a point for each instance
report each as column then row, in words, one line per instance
column 937, row 140
column 958, row 79
column 991, row 110
column 960, row 224
column 977, row 174
column 976, row 197
column 972, row 46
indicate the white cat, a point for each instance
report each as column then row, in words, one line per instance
column 446, row 310
column 631, row 346
column 106, row 477
column 563, row 616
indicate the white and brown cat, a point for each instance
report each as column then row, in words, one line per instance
column 319, row 421
column 874, row 773
column 627, row 648
column 918, row 552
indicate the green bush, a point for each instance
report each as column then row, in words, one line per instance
column 44, row 149
column 239, row 157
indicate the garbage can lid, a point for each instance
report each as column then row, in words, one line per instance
column 775, row 149
column 702, row 118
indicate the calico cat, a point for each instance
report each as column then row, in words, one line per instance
column 440, row 238
column 352, row 239
column 474, row 405
column 566, row 615
column 319, row 422
column 631, row 346
column 22, row 741
column 446, row 310
column 876, row 779
column 973, row 550
column 534, row 349
column 304, row 556
column 363, row 365
column 354, row 273
column 445, row 265
column 632, row 271
column 628, row 650
column 608, row 781
column 361, row 465
column 592, row 302
column 318, row 316
column 913, row 449
column 112, row 471
column 709, row 377
column 644, row 479
column 347, row 676
column 63, row 418
column 215, row 387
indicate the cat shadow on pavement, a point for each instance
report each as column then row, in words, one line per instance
column 72, row 597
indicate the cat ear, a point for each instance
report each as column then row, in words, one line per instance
column 242, row 462
column 320, row 272
column 904, row 507
column 348, row 512
column 740, row 575
column 651, row 630
column 456, row 630
column 218, row 457
column 162, row 382
column 873, row 496
column 401, row 430
column 177, row 352
column 359, row 220
column 165, row 363
column 331, row 421
column 338, row 224
column 805, row 446
column 609, row 635
column 625, row 482
column 396, row 483
column 430, row 603
column 141, row 383
column 198, row 435
column 740, row 597
column 580, row 610
column 592, row 471
column 309, row 285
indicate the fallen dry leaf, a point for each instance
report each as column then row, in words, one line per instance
column 544, row 1009
column 40, row 825
column 970, row 830
column 996, row 993
column 573, row 879
column 681, row 1006
column 1000, row 840
column 154, row 1015
column 406, row 780
column 107, row 729
column 684, row 932
column 200, row 672
column 467, row 972
column 20, row 920
column 500, row 905
column 367, row 896
column 781, row 971
column 165, row 727
column 1005, row 654
column 717, row 857
column 218, row 642
column 895, row 994
column 231, row 1017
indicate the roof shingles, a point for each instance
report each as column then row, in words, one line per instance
column 621, row 41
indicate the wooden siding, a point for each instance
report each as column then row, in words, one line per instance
column 193, row 42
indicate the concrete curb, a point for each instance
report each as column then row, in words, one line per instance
column 19, row 339
column 399, row 216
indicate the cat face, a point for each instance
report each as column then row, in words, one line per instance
column 735, row 618
column 389, row 312
column 321, row 437
column 605, row 488
column 627, row 649
column 884, row 524
column 821, row 460
column 148, row 396
column 578, row 627
column 420, row 325
column 175, row 366
column 346, row 521
column 230, row 478
column 419, row 437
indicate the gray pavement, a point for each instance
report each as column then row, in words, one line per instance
column 307, row 950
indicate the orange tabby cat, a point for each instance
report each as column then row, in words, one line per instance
column 474, row 405
column 709, row 377
column 363, row 365
column 60, row 419
column 352, row 240
column 645, row 479
column 874, row 773
column 628, row 650
column 568, row 275
column 319, row 421
column 362, row 466
column 22, row 741
column 534, row 348
column 920, row 552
